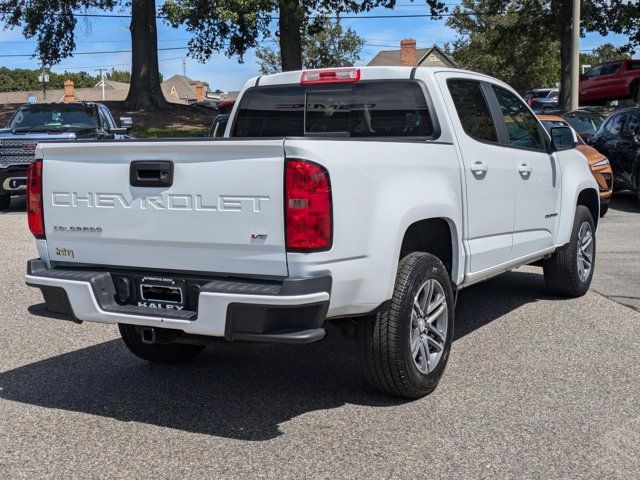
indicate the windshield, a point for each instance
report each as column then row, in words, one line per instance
column 585, row 123
column 54, row 117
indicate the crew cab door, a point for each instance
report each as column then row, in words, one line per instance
column 537, row 182
column 489, row 173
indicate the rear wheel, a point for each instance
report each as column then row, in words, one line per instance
column 5, row 201
column 405, row 347
column 157, row 352
column 570, row 270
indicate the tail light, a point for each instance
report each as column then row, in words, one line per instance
column 35, row 213
column 308, row 213
column 332, row 75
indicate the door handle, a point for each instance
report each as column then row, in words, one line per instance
column 524, row 169
column 151, row 173
column 479, row 167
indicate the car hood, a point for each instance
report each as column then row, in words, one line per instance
column 593, row 155
column 7, row 134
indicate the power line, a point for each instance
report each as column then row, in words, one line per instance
column 15, row 55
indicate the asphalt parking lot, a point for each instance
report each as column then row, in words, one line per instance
column 536, row 387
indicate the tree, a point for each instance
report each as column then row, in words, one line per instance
column 331, row 46
column 603, row 53
column 120, row 76
column 549, row 20
column 53, row 25
column 523, row 59
column 245, row 22
column 22, row 79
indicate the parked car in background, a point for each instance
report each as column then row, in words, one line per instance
column 619, row 139
column 585, row 121
column 541, row 93
column 34, row 123
column 220, row 121
column 543, row 99
column 615, row 80
column 371, row 194
column 600, row 166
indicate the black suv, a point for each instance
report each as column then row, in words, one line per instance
column 619, row 139
column 36, row 122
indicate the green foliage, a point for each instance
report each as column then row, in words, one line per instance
column 330, row 46
column 603, row 53
column 520, row 41
column 234, row 26
column 123, row 76
column 20, row 79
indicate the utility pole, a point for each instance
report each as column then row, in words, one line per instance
column 43, row 78
column 102, row 70
column 184, row 67
column 575, row 55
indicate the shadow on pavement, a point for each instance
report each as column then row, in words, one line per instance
column 240, row 391
column 18, row 205
column 625, row 202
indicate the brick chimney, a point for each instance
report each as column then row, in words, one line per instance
column 199, row 92
column 69, row 92
column 408, row 52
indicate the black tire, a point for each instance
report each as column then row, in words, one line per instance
column 385, row 338
column 561, row 272
column 156, row 352
column 5, row 201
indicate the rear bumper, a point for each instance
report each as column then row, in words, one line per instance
column 291, row 311
column 13, row 180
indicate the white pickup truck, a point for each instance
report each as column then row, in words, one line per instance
column 373, row 194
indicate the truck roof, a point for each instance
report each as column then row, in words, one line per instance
column 367, row 73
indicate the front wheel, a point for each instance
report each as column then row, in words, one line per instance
column 5, row 201
column 570, row 270
column 405, row 346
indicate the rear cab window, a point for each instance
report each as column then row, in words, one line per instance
column 472, row 109
column 367, row 109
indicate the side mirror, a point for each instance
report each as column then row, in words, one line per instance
column 126, row 122
column 563, row 138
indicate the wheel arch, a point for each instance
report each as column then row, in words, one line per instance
column 437, row 236
column 590, row 199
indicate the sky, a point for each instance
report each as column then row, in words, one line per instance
column 112, row 34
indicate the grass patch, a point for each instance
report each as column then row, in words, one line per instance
column 159, row 132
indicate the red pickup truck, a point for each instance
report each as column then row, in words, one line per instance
column 614, row 80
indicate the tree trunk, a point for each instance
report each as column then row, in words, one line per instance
column 564, row 25
column 291, row 16
column 144, row 91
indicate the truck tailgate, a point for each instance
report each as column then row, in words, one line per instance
column 223, row 212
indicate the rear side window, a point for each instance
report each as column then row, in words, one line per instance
column 611, row 68
column 522, row 126
column 633, row 65
column 364, row 109
column 472, row 110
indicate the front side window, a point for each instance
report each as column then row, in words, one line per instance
column 632, row 127
column 521, row 124
column 615, row 124
column 472, row 109
column 363, row 109
column 595, row 72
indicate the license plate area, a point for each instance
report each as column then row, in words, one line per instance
column 162, row 292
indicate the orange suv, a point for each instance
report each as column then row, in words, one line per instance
column 600, row 166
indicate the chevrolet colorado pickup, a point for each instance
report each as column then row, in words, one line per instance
column 33, row 123
column 368, row 194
